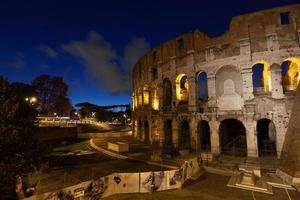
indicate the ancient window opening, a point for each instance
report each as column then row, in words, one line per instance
column 155, row 99
column 284, row 18
column 167, row 92
column 140, row 130
column 233, row 140
column 290, row 70
column 180, row 43
column 204, row 143
column 202, row 91
column 154, row 55
column 140, row 97
column 266, row 138
column 261, row 78
column 133, row 102
column 154, row 74
column 182, row 88
column 184, row 139
column 146, row 95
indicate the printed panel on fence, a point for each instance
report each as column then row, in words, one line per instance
column 174, row 179
column 125, row 182
column 153, row 181
column 99, row 188
column 190, row 168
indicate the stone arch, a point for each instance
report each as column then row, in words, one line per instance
column 145, row 94
column 167, row 92
column 184, row 136
column 168, row 136
column 182, row 88
column 204, row 143
column 146, row 131
column 155, row 98
column 233, row 140
column 140, row 97
column 229, row 88
column 202, row 90
column 266, row 137
column 261, row 77
column 290, row 71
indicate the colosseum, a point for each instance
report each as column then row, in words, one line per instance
column 230, row 94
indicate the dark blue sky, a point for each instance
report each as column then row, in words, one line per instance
column 86, row 41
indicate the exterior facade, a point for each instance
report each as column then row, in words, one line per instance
column 231, row 94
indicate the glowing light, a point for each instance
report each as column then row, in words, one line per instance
column 292, row 74
column 182, row 88
column 155, row 100
column 140, row 98
column 146, row 95
column 266, row 76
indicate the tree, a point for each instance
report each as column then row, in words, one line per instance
column 19, row 151
column 53, row 95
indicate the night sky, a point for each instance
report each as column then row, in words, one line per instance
column 94, row 44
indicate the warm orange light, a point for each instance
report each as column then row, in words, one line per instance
column 155, row 100
column 146, row 95
column 182, row 90
column 266, row 76
column 293, row 72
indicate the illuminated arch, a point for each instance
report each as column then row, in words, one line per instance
column 261, row 77
column 146, row 95
column 155, row 99
column 182, row 88
column 290, row 69
column 140, row 97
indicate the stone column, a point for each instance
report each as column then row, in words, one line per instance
column 251, row 135
column 211, row 85
column 161, row 131
column 247, row 83
column 192, row 93
column 214, row 136
column 277, row 90
column 175, row 132
column 173, row 80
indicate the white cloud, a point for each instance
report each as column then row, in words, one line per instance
column 51, row 53
column 101, row 61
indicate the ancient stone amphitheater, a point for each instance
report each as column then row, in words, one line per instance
column 230, row 94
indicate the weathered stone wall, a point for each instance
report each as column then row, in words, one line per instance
column 251, row 38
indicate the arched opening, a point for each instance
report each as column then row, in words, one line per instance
column 167, row 92
column 203, row 136
column 168, row 139
column 182, row 89
column 266, row 137
column 140, row 130
column 146, row 131
column 290, row 70
column 155, row 99
column 261, row 78
column 232, row 135
column 202, row 91
column 184, row 140
column 140, row 97
column 146, row 95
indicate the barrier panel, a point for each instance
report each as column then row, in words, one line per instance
column 120, row 183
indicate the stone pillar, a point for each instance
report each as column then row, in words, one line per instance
column 214, row 136
column 160, row 131
column 247, row 84
column 175, row 132
column 277, row 90
column 251, row 134
column 160, row 87
column 150, row 130
column 192, row 93
column 173, row 80
column 193, row 132
column 211, row 85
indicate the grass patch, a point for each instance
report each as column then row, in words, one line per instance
column 78, row 146
column 97, row 128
